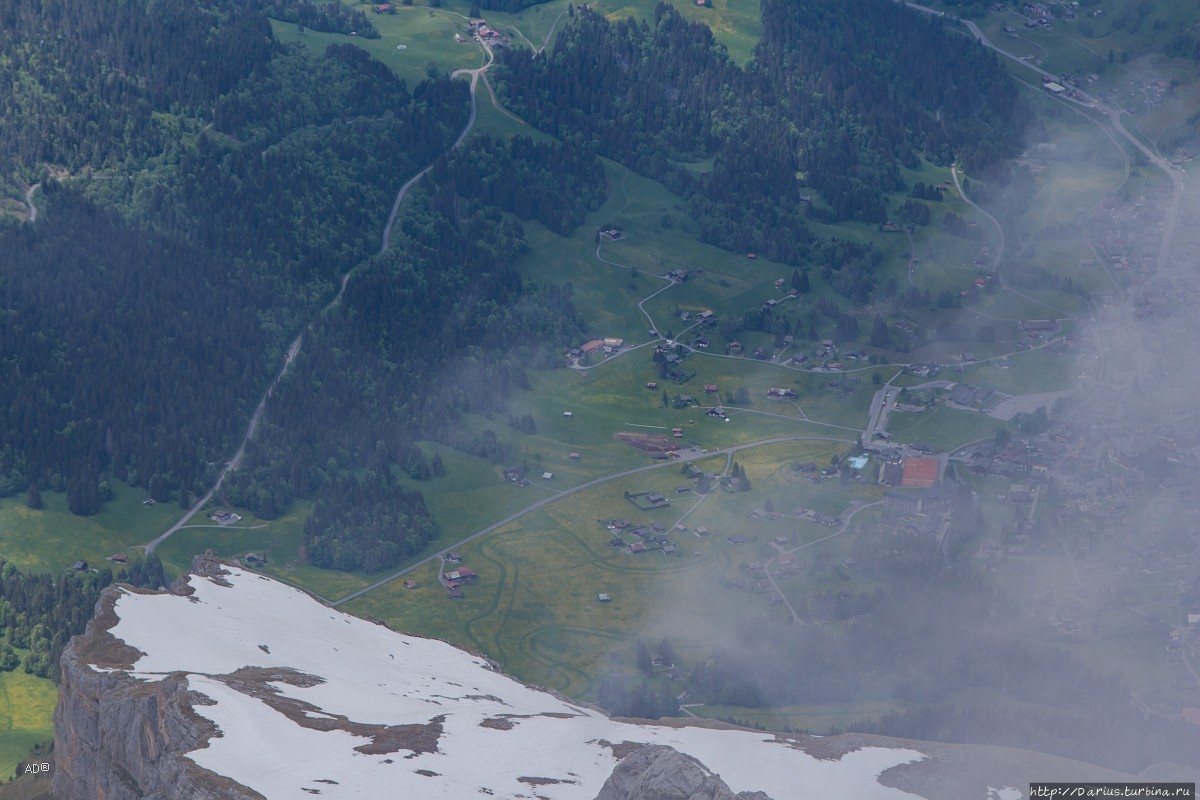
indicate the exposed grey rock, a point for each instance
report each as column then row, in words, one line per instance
column 120, row 738
column 656, row 772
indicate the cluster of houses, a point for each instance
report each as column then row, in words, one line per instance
column 486, row 34
column 633, row 539
column 453, row 580
column 607, row 345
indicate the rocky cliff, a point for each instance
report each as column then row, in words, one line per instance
column 120, row 738
column 656, row 772
column 235, row 687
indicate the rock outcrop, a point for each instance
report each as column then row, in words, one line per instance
column 655, row 772
column 120, row 738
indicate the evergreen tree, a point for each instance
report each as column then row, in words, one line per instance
column 33, row 496
column 879, row 332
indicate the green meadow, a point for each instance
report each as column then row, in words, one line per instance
column 535, row 608
column 53, row 539
column 26, row 717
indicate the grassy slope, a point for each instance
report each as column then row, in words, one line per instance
column 535, row 610
column 53, row 539
column 26, row 717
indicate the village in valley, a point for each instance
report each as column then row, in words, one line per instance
column 736, row 443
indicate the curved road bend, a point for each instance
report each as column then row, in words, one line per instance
column 726, row 451
column 294, row 349
column 841, row 529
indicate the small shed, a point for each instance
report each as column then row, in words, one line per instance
column 568, row 414
column 603, row 598
column 547, row 475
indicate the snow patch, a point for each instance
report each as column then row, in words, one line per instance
column 367, row 679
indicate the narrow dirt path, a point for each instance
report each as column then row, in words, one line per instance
column 294, row 349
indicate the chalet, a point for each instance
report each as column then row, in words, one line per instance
column 701, row 530
column 735, row 347
column 80, row 566
column 669, row 549
column 119, row 558
column 593, row 346
column 618, row 524
column 410, row 585
column 462, row 574
column 780, row 394
column 657, row 499
column 456, row 594
column 677, row 433
column 612, row 342
column 454, row 558
column 678, row 275
column 652, row 385
column 967, row 357
column 149, row 502
column 702, row 342
column 704, row 315
column 769, row 304
column 711, row 388
column 737, row 539
column 514, row 474
column 573, row 456
column 637, row 547
column 752, row 256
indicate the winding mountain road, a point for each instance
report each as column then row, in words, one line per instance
column 294, row 349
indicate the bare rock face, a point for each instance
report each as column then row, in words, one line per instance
column 655, row 772
column 120, row 738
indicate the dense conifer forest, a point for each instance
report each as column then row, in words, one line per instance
column 372, row 381
column 40, row 612
column 834, row 101
column 117, row 304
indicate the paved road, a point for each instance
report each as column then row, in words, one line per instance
column 687, row 456
column 841, row 529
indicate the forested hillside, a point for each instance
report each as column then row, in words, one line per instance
column 142, row 311
column 438, row 325
column 836, row 98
